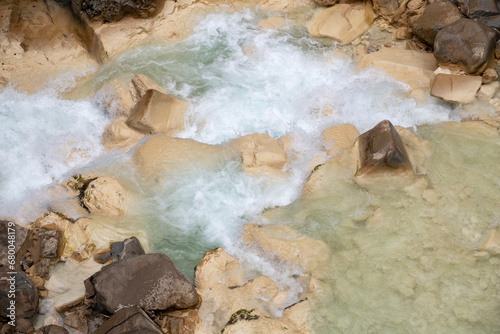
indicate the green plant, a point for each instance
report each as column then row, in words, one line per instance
column 241, row 315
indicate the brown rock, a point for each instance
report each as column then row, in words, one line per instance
column 456, row 88
column 465, row 44
column 20, row 234
column 75, row 321
column 479, row 8
column 129, row 320
column 489, row 75
column 491, row 21
column 382, row 149
column 150, row 281
column 158, row 113
column 52, row 329
column 326, row 2
column 125, row 249
column 115, row 10
column 436, row 16
column 26, row 295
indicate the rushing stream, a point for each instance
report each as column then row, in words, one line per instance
column 415, row 270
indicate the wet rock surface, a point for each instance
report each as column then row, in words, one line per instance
column 129, row 320
column 149, row 281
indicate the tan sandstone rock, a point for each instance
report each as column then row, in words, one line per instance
column 342, row 22
column 105, row 196
column 411, row 67
column 140, row 84
column 339, row 137
column 118, row 135
column 287, row 244
column 116, row 98
column 492, row 242
column 156, row 113
column 260, row 152
column 272, row 22
column 456, row 88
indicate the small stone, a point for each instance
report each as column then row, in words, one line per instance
column 489, row 75
column 76, row 322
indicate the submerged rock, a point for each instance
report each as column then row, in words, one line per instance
column 456, row 88
column 149, row 281
column 157, row 113
column 342, row 22
column 129, row 320
column 381, row 149
column 465, row 44
column 105, row 195
column 118, row 135
column 435, row 17
column 260, row 152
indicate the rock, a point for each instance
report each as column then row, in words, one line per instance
column 149, row 281
column 489, row 90
column 49, row 242
column 342, row 22
column 261, row 153
column 106, row 196
column 140, row 84
column 218, row 268
column 479, row 8
column 411, row 67
column 491, row 21
column 41, row 268
column 456, row 88
column 116, row 98
column 326, row 2
column 26, row 295
column 339, row 137
column 52, row 329
column 129, row 320
column 492, row 242
column 118, row 135
column 156, row 113
column 126, row 249
column 436, row 16
column 381, row 149
column 115, row 10
column 489, row 75
column 465, row 44
column 75, row 321
column 19, row 234
column 272, row 22
column 399, row 13
column 24, row 326
column 286, row 244
column 182, row 322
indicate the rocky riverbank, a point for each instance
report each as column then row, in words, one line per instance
column 442, row 49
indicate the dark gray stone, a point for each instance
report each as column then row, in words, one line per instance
column 26, row 295
column 149, row 281
column 129, row 320
column 126, row 249
column 115, row 10
column 479, row 8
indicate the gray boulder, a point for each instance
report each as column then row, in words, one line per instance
column 26, row 295
column 435, row 17
column 479, row 8
column 465, row 44
column 149, row 281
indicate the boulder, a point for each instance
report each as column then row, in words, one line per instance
column 491, row 21
column 149, row 281
column 156, row 113
column 128, row 320
column 260, row 152
column 52, row 329
column 436, row 16
column 115, row 10
column 26, row 295
column 105, row 196
column 125, row 249
column 456, row 88
column 76, row 322
column 343, row 22
column 20, row 234
column 140, row 84
column 288, row 245
column 399, row 13
column 118, row 135
column 339, row 137
column 381, row 149
column 489, row 75
column 479, row 8
column 466, row 45
column 116, row 97
column 411, row 67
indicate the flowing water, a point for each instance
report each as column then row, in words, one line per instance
column 408, row 265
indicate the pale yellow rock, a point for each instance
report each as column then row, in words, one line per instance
column 272, row 22
column 162, row 153
column 492, row 242
column 298, row 314
column 105, row 196
column 118, row 135
column 339, row 137
column 489, row 90
column 116, row 98
column 157, row 113
column 261, row 153
column 411, row 67
column 286, row 244
column 216, row 269
column 342, row 22
column 75, row 238
column 456, row 88
column 419, row 150
column 140, row 84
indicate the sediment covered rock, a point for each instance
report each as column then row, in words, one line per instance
column 105, row 195
column 466, row 45
column 129, row 320
column 381, row 149
column 456, row 88
column 342, row 22
column 436, row 16
column 156, row 113
column 149, row 281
